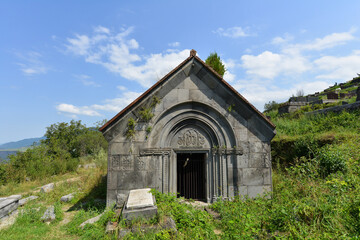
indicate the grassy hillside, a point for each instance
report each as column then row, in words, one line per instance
column 316, row 194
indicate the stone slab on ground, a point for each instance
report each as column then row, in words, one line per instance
column 67, row 198
column 146, row 213
column 91, row 220
column 23, row 201
column 47, row 188
column 140, row 204
column 49, row 215
column 8, row 220
column 8, row 205
column 140, row 198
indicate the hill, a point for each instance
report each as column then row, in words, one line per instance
column 20, row 144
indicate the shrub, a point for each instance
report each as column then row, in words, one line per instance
column 330, row 161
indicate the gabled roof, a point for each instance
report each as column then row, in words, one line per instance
column 147, row 92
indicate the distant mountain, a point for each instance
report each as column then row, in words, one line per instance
column 4, row 155
column 20, row 144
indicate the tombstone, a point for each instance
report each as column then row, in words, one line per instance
column 193, row 134
column 332, row 95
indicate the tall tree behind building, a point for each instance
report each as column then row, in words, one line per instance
column 215, row 63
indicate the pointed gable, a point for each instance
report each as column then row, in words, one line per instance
column 192, row 64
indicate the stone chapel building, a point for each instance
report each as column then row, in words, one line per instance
column 193, row 134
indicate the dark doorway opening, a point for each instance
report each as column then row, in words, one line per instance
column 191, row 175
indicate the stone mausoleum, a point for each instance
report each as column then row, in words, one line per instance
column 193, row 134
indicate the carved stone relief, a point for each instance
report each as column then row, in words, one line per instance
column 191, row 138
column 121, row 162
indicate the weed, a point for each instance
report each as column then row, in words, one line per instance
column 130, row 130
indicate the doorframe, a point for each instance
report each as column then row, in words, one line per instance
column 208, row 169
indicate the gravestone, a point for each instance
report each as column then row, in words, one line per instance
column 140, row 204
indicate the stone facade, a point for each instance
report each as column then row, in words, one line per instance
column 200, row 115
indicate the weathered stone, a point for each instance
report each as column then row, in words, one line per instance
column 169, row 224
column 9, row 205
column 18, row 197
column 67, row 198
column 252, row 176
column 49, row 215
column 258, row 191
column 123, row 232
column 140, row 198
column 91, row 221
column 25, row 200
column 8, row 220
column 214, row 214
column 121, row 199
column 89, row 165
column 140, row 204
column 111, row 227
column 47, row 188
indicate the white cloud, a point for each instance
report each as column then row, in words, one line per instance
column 269, row 65
column 71, row 109
column 109, row 105
column 31, row 63
column 101, row 29
column 90, row 83
column 291, row 60
column 341, row 68
column 121, row 88
column 329, row 41
column 232, row 32
column 79, row 45
column 282, row 40
column 118, row 54
column 174, row 44
column 261, row 92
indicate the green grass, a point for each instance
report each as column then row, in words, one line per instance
column 316, row 194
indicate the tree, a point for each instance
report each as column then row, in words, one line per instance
column 215, row 63
column 271, row 105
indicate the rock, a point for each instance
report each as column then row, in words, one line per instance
column 169, row 224
column 9, row 219
column 214, row 214
column 67, row 198
column 49, row 215
column 120, row 200
column 123, row 232
column 8, row 205
column 18, row 197
column 111, row 227
column 47, row 188
column 25, row 200
column 91, row 220
column 89, row 165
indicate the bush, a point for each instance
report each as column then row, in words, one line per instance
column 330, row 161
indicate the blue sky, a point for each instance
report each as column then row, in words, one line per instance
column 86, row 60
